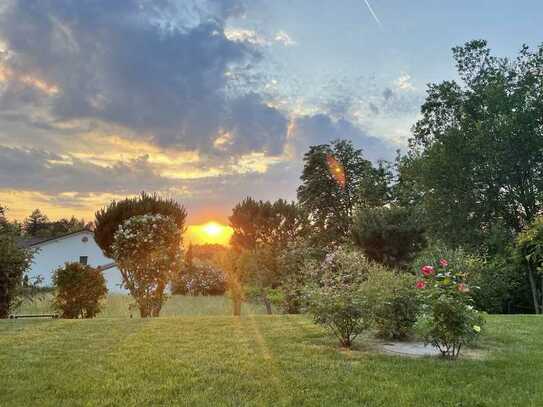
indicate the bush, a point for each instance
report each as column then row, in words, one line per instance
column 291, row 263
column 147, row 250
column 79, row 290
column 449, row 321
column 199, row 278
column 529, row 251
column 335, row 295
column 109, row 219
column 492, row 281
column 395, row 303
column 14, row 262
column 391, row 236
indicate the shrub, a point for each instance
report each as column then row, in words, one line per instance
column 109, row 219
column 389, row 235
column 335, row 294
column 492, row 281
column 449, row 320
column 291, row 264
column 529, row 250
column 14, row 262
column 395, row 303
column 147, row 250
column 199, row 278
column 79, row 290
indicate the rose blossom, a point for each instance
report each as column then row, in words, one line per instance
column 421, row 284
column 443, row 263
column 427, row 270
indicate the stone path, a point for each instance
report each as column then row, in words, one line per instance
column 411, row 349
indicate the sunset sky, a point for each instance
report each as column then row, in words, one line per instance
column 214, row 100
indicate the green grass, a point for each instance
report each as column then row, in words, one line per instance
column 254, row 360
column 117, row 305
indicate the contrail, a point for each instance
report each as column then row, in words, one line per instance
column 373, row 13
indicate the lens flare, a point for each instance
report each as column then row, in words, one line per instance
column 337, row 170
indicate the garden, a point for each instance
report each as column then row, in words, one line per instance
column 439, row 251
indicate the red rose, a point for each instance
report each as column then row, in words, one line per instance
column 427, row 270
column 421, row 284
column 443, row 263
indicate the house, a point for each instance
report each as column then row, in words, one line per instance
column 52, row 253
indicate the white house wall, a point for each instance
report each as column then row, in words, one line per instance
column 55, row 253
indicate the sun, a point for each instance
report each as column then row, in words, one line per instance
column 212, row 229
column 209, row 233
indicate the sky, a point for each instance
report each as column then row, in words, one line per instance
column 210, row 101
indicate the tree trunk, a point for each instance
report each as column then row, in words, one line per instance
column 267, row 303
column 237, row 307
column 533, row 287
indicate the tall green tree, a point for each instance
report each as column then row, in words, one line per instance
column 36, row 223
column 476, row 155
column 337, row 179
column 261, row 230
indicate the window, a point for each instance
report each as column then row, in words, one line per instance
column 84, row 260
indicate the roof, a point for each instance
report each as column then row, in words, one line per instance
column 39, row 241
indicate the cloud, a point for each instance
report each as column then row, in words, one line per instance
column 120, row 64
column 284, row 38
column 403, row 82
column 320, row 129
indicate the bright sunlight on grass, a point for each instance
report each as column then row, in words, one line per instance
column 254, row 360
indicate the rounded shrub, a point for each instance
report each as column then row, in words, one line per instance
column 335, row 294
column 79, row 290
column 199, row 278
column 394, row 301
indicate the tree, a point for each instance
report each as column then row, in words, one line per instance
column 258, row 223
column 35, row 223
column 147, row 250
column 335, row 180
column 529, row 247
column 14, row 262
column 476, row 154
column 261, row 231
column 390, row 235
column 79, row 290
column 110, row 218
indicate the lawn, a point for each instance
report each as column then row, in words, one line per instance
column 254, row 360
column 117, row 305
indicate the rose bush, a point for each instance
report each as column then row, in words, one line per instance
column 448, row 320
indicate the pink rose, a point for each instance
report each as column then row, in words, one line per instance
column 443, row 263
column 427, row 270
column 463, row 288
column 421, row 284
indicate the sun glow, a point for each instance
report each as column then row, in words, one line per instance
column 208, row 233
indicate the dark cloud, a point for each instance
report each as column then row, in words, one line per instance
column 321, row 129
column 139, row 64
column 38, row 170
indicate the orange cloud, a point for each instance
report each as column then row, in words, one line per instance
column 8, row 74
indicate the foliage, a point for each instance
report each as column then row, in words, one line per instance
column 79, row 290
column 529, row 249
column 335, row 294
column 110, row 218
column 36, row 223
column 260, row 270
column 229, row 263
column 476, row 155
column 147, row 250
column 336, row 179
column 395, row 303
column 258, row 223
column 14, row 262
column 199, row 278
column 390, row 235
column 448, row 321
